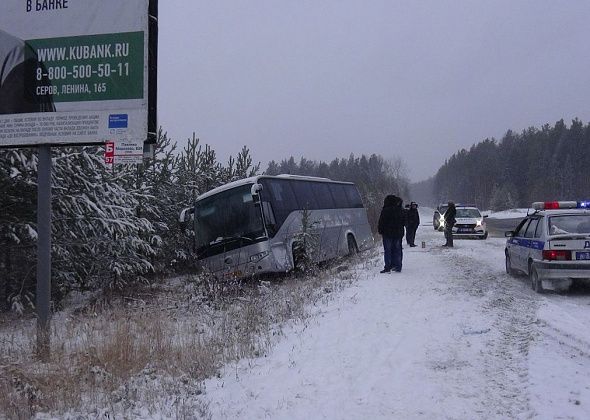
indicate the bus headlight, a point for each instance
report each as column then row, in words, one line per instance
column 259, row 256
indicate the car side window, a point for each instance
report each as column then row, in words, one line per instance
column 531, row 228
column 519, row 231
column 539, row 229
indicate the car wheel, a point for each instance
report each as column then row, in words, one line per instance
column 485, row 236
column 536, row 282
column 509, row 270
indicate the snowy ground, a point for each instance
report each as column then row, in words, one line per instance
column 452, row 336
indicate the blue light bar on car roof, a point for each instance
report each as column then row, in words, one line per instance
column 584, row 204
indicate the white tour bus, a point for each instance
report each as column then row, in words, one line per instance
column 251, row 226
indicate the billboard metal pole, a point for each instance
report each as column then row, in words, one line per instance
column 43, row 251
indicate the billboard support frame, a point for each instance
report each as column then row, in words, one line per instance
column 43, row 298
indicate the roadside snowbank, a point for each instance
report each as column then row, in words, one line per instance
column 510, row 214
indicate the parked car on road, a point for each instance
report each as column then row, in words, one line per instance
column 470, row 221
column 551, row 245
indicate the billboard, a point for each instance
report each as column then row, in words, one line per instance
column 77, row 71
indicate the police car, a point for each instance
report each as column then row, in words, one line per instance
column 470, row 222
column 551, row 245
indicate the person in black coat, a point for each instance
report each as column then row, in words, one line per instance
column 391, row 227
column 449, row 223
column 413, row 222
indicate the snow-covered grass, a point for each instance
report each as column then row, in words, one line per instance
column 134, row 356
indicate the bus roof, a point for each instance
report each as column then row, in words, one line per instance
column 254, row 179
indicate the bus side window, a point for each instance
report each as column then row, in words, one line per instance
column 304, row 195
column 339, row 196
column 322, row 195
column 279, row 193
column 354, row 198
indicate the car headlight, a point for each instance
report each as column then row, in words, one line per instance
column 478, row 223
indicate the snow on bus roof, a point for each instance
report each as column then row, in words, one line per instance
column 254, row 179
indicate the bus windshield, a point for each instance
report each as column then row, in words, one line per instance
column 230, row 216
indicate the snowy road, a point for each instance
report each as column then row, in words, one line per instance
column 452, row 336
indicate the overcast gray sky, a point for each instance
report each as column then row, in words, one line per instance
column 324, row 78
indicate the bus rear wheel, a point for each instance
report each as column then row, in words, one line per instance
column 352, row 247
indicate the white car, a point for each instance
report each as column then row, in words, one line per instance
column 551, row 245
column 470, row 223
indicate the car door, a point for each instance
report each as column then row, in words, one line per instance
column 515, row 245
column 529, row 245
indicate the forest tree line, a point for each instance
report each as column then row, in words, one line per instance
column 550, row 163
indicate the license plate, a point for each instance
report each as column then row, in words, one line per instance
column 583, row 255
column 464, row 230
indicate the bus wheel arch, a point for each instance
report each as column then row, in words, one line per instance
column 353, row 248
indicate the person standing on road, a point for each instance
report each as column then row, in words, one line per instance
column 449, row 223
column 413, row 223
column 391, row 227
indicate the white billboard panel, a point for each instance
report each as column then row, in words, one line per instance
column 73, row 71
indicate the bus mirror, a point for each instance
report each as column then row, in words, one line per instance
column 256, row 188
column 186, row 215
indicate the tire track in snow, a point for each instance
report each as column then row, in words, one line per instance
column 570, row 344
column 512, row 311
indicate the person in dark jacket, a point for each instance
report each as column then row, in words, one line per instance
column 449, row 223
column 391, row 227
column 413, row 222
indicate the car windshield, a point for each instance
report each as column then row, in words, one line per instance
column 227, row 216
column 468, row 213
column 561, row 225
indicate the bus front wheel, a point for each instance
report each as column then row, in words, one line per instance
column 299, row 257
